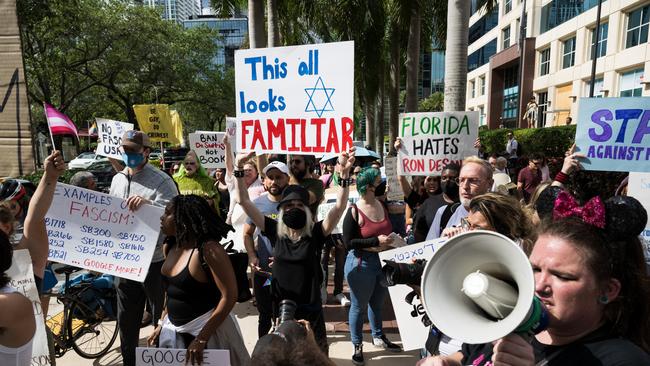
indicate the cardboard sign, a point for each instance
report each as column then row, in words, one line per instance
column 96, row 231
column 110, row 137
column 614, row 134
column 16, row 146
column 395, row 192
column 432, row 140
column 231, row 131
column 22, row 279
column 156, row 121
column 638, row 186
column 412, row 330
column 209, row 148
column 297, row 100
column 176, row 357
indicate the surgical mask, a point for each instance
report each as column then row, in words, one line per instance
column 450, row 188
column 380, row 189
column 132, row 160
column 295, row 218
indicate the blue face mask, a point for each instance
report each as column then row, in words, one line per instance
column 132, row 160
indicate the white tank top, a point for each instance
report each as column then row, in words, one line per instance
column 19, row 356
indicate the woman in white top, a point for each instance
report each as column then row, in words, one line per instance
column 17, row 324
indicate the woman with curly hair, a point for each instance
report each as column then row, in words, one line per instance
column 200, row 283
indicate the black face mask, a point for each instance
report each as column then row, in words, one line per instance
column 380, row 190
column 450, row 188
column 295, row 218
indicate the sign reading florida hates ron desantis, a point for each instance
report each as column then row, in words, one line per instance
column 432, row 140
column 297, row 99
column 97, row 231
column 614, row 134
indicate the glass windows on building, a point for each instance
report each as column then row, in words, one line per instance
column 598, row 88
column 507, row 6
column 602, row 41
column 506, row 37
column 544, row 61
column 637, row 27
column 631, row 83
column 542, row 108
column 437, row 70
column 569, row 52
column 233, row 34
column 557, row 12
column 481, row 116
column 481, row 56
column 510, row 94
column 472, row 89
column 482, row 26
column 481, row 85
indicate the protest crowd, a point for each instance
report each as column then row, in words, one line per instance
column 270, row 206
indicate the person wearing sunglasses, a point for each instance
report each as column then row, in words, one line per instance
column 530, row 177
column 192, row 178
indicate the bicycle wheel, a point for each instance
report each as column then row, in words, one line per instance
column 90, row 330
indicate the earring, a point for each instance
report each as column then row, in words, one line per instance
column 603, row 299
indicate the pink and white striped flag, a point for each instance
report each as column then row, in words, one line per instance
column 59, row 123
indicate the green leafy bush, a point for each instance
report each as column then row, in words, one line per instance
column 551, row 141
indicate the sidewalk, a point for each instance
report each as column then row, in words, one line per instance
column 246, row 315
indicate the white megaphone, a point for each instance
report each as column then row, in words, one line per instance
column 479, row 287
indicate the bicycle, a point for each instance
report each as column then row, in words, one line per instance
column 88, row 323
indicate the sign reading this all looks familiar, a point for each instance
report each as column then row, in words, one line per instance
column 614, row 134
column 432, row 140
column 97, row 231
column 297, row 100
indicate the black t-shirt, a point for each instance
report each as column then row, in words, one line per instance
column 297, row 273
column 424, row 216
column 595, row 349
column 414, row 200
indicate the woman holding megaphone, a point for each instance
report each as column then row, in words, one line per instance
column 590, row 274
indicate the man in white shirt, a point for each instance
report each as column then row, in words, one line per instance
column 475, row 179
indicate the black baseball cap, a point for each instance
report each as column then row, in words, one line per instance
column 294, row 192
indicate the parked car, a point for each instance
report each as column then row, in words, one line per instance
column 171, row 156
column 84, row 160
column 103, row 172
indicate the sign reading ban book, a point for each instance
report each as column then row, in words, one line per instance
column 297, row 99
column 614, row 134
column 432, row 140
column 209, row 148
column 96, row 231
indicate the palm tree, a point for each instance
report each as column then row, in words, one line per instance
column 256, row 34
column 273, row 31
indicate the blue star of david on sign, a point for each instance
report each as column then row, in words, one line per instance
column 319, row 98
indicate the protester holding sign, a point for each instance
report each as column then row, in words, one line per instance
column 193, row 179
column 200, row 283
column 17, row 324
column 297, row 242
column 367, row 230
column 140, row 183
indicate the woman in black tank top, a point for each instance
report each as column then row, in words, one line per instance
column 199, row 280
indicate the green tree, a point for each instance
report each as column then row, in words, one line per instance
column 433, row 103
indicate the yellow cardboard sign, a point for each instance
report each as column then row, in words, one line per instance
column 178, row 127
column 155, row 120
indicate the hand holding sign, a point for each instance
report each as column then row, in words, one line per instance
column 571, row 161
column 54, row 165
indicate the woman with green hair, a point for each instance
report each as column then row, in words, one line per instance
column 367, row 230
column 192, row 178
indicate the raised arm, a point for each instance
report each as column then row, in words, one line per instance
column 345, row 163
column 242, row 193
column 403, row 182
column 229, row 164
column 571, row 163
column 35, row 234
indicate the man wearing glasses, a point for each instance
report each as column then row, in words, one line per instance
column 530, row 177
column 475, row 179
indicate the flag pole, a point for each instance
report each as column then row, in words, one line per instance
column 48, row 126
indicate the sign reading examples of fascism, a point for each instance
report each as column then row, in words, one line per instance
column 297, row 99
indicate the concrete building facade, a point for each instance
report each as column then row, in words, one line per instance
column 557, row 58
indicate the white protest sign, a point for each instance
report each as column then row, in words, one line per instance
column 329, row 203
column 392, row 180
column 22, row 279
column 231, row 131
column 176, row 357
column 110, row 137
column 412, row 330
column 638, row 186
column 209, row 148
column 96, row 231
column 432, row 140
column 297, row 99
